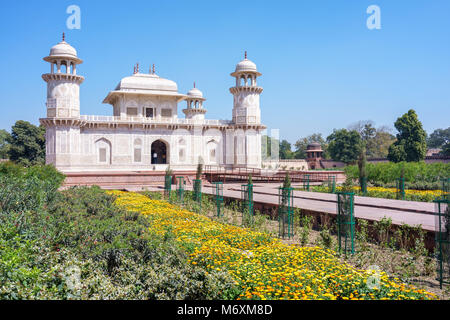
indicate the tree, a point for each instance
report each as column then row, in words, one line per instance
column 446, row 150
column 362, row 162
column 377, row 140
column 364, row 127
column 285, row 150
column 411, row 142
column 439, row 138
column 378, row 147
column 27, row 143
column 4, row 144
column 199, row 172
column 344, row 145
column 302, row 144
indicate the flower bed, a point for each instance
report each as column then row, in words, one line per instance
column 263, row 267
column 389, row 193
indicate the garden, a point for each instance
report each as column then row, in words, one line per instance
column 86, row 243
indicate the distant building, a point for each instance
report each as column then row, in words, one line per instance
column 314, row 155
column 433, row 152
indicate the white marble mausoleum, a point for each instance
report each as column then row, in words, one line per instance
column 144, row 131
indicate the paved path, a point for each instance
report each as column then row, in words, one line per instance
column 374, row 209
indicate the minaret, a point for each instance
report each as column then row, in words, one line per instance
column 246, row 93
column 63, row 83
column 195, row 110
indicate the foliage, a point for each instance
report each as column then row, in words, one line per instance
column 287, row 181
column 261, row 266
column 439, row 138
column 305, row 228
column 382, row 228
column 27, row 143
column 446, row 150
column 4, row 144
column 362, row 163
column 285, row 150
column 117, row 256
column 386, row 193
column 27, row 188
column 344, row 145
column 376, row 140
column 415, row 172
column 411, row 140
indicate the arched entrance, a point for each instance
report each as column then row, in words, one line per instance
column 159, row 152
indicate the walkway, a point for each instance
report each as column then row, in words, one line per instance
column 373, row 209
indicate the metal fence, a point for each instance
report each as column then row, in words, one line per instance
column 346, row 222
column 442, row 232
column 247, row 204
column 219, row 198
column 285, row 212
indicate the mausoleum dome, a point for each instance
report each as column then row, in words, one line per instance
column 149, row 82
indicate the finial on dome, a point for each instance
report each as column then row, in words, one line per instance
column 64, row 36
column 137, row 67
column 245, row 55
column 153, row 70
column 194, row 84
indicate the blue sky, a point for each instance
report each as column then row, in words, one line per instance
column 322, row 67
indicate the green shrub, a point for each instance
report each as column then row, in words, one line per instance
column 117, row 256
column 27, row 188
column 388, row 172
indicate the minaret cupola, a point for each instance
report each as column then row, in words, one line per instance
column 194, row 102
column 63, row 83
column 246, row 93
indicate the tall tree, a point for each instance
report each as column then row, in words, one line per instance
column 362, row 162
column 344, row 145
column 4, row 144
column 302, row 144
column 285, row 150
column 27, row 143
column 439, row 138
column 411, row 142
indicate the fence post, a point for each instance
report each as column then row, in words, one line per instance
column 332, row 184
column 306, row 182
column 346, row 222
column 180, row 190
column 442, row 231
column 285, row 212
column 167, row 186
column 401, row 188
column 247, row 204
column 446, row 188
column 198, row 192
column 219, row 198
column 364, row 186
